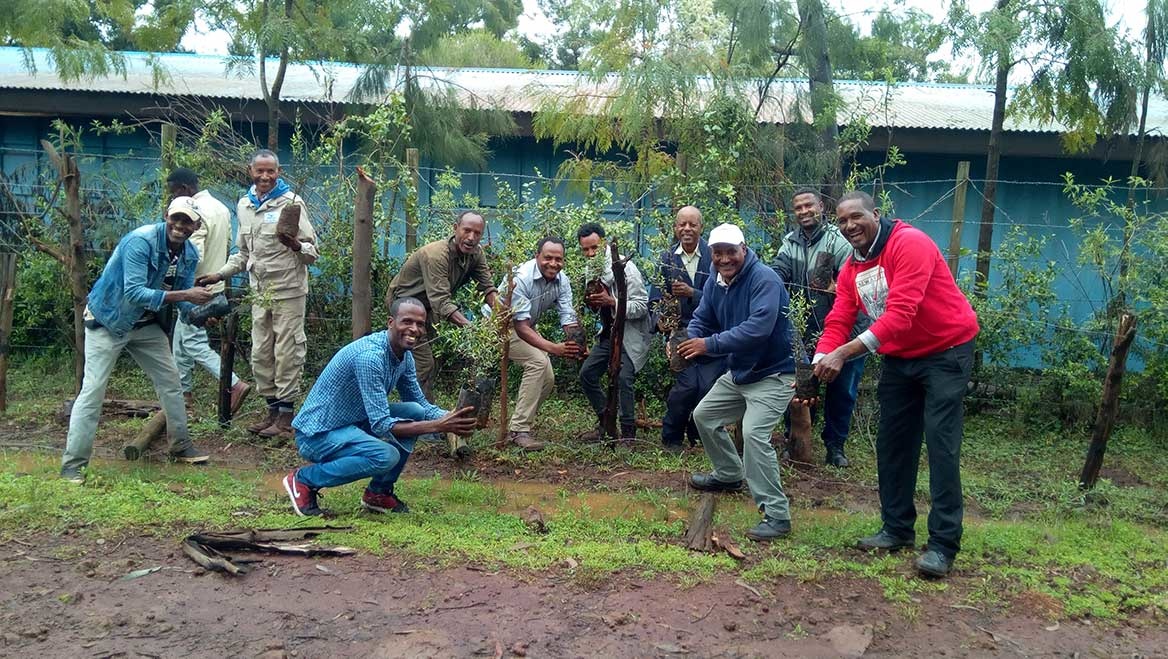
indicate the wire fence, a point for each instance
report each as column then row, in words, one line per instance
column 31, row 201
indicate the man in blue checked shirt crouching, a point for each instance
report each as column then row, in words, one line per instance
column 349, row 430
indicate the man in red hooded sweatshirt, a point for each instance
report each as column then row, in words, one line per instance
column 924, row 327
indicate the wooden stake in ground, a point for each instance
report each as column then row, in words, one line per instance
column 505, row 356
column 699, row 535
column 615, row 342
column 362, row 253
column 226, row 366
column 412, row 199
column 150, row 432
column 799, row 439
column 1109, row 404
column 7, row 304
column 75, row 262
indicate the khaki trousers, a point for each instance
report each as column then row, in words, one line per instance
column 538, row 382
column 424, row 362
column 278, row 348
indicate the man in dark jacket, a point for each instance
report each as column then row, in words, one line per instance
column 684, row 269
column 743, row 317
column 809, row 261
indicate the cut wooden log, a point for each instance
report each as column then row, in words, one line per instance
column 141, row 442
column 699, row 535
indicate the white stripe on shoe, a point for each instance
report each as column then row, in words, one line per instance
column 290, row 488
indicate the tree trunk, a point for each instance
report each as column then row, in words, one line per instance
column 1109, row 404
column 819, row 78
column 1137, row 161
column 362, row 255
column 7, row 305
column 616, row 341
column 150, row 432
column 505, row 359
column 412, row 207
column 272, row 94
column 78, row 274
column 799, row 441
column 985, row 236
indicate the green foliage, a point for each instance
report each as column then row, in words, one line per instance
column 478, row 48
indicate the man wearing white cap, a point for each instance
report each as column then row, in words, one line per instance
column 151, row 267
column 743, row 317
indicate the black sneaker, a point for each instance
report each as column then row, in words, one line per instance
column 707, row 483
column 672, row 447
column 73, row 475
column 769, row 529
column 886, row 541
column 190, row 455
column 934, row 564
column 836, row 458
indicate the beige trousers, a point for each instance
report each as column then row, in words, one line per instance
column 538, row 381
column 278, row 348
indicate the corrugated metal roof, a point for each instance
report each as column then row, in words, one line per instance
column 903, row 105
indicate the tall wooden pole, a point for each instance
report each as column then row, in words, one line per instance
column 71, row 179
column 615, row 341
column 226, row 366
column 412, row 201
column 362, row 254
column 169, row 137
column 1109, row 403
column 7, row 304
column 505, row 359
column 958, row 216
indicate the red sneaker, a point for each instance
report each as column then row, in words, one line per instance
column 383, row 503
column 303, row 497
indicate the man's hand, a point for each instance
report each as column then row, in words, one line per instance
column 692, row 348
column 289, row 241
column 681, row 289
column 209, row 280
column 459, row 422
column 567, row 350
column 828, row 368
column 198, row 295
column 601, row 300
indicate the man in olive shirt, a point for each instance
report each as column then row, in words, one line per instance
column 433, row 274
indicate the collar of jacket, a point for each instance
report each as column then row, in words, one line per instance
column 278, row 190
column 798, row 238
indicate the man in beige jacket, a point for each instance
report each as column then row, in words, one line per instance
column 212, row 238
column 277, row 265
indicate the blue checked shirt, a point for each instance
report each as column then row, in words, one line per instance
column 353, row 390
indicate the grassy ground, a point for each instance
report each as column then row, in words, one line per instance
column 1030, row 536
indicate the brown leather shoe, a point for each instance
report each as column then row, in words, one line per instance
column 281, row 428
column 239, row 393
column 592, row 436
column 257, row 428
column 524, row 440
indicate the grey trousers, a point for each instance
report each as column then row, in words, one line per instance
column 150, row 349
column 190, row 348
column 760, row 405
column 596, row 365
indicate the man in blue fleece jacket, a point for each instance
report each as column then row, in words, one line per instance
column 743, row 317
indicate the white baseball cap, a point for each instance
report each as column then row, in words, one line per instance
column 726, row 234
column 185, row 206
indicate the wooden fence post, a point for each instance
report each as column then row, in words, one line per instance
column 78, row 275
column 362, row 253
column 7, row 303
column 505, row 359
column 616, row 341
column 226, row 366
column 412, row 208
column 1109, row 403
column 958, row 216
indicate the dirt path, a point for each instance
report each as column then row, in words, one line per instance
column 389, row 607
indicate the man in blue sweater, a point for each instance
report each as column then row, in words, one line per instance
column 743, row 317
column 348, row 428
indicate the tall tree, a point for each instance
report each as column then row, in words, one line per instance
column 824, row 101
column 1079, row 77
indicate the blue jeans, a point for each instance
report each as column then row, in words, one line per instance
column 687, row 391
column 839, row 402
column 350, row 453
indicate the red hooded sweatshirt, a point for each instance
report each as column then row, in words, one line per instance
column 905, row 286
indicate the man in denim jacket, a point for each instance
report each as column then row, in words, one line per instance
column 151, row 267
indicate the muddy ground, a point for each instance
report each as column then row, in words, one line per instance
column 69, row 597
column 365, row 606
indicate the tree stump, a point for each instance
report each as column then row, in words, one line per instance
column 799, row 440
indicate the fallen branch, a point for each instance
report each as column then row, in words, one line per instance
column 207, row 549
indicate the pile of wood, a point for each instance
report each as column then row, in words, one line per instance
column 208, row 549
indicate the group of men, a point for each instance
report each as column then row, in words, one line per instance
column 875, row 285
